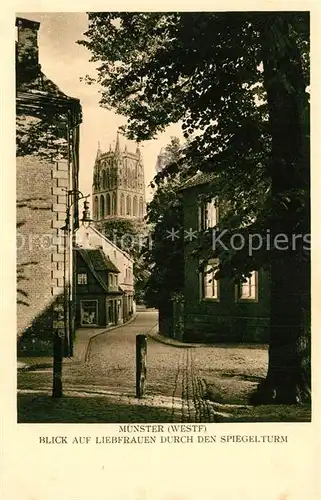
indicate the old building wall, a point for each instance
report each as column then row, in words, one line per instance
column 42, row 252
column 226, row 319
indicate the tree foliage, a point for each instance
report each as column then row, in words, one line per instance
column 164, row 251
column 204, row 69
column 237, row 83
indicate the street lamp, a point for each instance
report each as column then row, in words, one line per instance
column 63, row 344
column 74, row 196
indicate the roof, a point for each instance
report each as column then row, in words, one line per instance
column 92, row 228
column 101, row 262
column 37, row 102
column 97, row 261
column 198, row 179
column 34, row 89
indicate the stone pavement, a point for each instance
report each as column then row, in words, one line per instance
column 190, row 389
column 84, row 336
column 102, row 388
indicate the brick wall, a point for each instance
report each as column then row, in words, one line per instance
column 41, row 212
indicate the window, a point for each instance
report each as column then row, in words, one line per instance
column 208, row 214
column 82, row 279
column 141, row 207
column 128, row 206
column 114, row 204
column 89, row 312
column 249, row 289
column 102, row 207
column 122, row 204
column 209, row 285
column 112, row 279
column 104, row 179
column 96, row 215
column 107, row 204
column 135, row 206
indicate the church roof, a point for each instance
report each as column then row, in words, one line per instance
column 118, row 151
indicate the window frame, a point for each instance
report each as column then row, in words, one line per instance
column 202, row 282
column 205, row 207
column 86, row 278
column 253, row 298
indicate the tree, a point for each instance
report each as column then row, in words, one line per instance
column 164, row 252
column 237, row 82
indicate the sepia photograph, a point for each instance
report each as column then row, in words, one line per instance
column 163, row 218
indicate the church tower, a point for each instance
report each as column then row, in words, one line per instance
column 161, row 161
column 118, row 185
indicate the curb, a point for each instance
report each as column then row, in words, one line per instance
column 87, row 349
column 172, row 342
column 84, row 357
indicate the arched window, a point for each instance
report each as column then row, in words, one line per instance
column 135, row 206
column 114, row 204
column 128, row 206
column 107, row 204
column 104, row 179
column 102, row 207
column 96, row 214
column 108, row 179
column 122, row 204
column 141, row 207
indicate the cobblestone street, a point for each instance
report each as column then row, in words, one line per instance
column 102, row 387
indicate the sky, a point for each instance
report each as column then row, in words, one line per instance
column 65, row 62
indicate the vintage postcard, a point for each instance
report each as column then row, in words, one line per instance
column 157, row 276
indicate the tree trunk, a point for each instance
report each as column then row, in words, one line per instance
column 288, row 377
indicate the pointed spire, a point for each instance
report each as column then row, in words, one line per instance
column 125, row 148
column 138, row 151
column 98, row 155
column 117, row 147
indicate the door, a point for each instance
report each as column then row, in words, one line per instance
column 111, row 312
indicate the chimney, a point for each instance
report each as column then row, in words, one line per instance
column 27, row 56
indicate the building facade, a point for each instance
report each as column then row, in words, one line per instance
column 215, row 310
column 118, row 185
column 91, row 238
column 47, row 164
column 98, row 295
